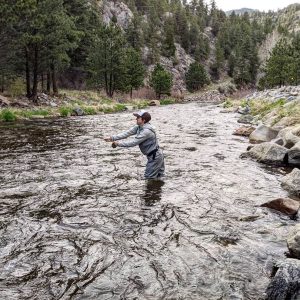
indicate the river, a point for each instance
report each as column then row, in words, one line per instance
column 77, row 220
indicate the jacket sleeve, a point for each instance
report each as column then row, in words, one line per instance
column 125, row 134
column 141, row 137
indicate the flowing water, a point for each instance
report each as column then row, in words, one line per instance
column 77, row 220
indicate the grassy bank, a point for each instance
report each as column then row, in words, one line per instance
column 69, row 103
column 271, row 112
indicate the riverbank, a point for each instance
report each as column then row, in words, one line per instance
column 70, row 103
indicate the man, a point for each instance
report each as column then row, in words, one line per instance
column 145, row 137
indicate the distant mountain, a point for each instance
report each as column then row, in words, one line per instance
column 241, row 11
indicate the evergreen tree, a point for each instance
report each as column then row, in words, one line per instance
column 169, row 48
column 196, row 77
column 134, row 70
column 105, row 59
column 161, row 81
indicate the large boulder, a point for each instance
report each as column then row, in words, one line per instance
column 293, row 241
column 286, row 282
column 263, row 134
column 267, row 153
column 291, row 182
column 285, row 205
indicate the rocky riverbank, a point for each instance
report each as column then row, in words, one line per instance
column 272, row 122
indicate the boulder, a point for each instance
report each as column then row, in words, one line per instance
column 293, row 241
column 154, row 103
column 245, row 119
column 285, row 205
column 291, row 182
column 244, row 131
column 285, row 284
column 78, row 111
column 294, row 155
column 263, row 134
column 267, row 153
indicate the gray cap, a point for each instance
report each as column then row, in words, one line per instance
column 139, row 113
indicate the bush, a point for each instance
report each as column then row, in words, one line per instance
column 17, row 87
column 89, row 110
column 65, row 111
column 7, row 115
column 167, row 101
column 196, row 77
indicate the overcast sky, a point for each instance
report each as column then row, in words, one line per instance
column 262, row 5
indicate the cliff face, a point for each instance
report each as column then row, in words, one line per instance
column 288, row 19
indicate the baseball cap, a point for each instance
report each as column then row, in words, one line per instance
column 139, row 113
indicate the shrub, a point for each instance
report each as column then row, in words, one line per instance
column 17, row 87
column 65, row 111
column 7, row 115
column 89, row 110
column 167, row 101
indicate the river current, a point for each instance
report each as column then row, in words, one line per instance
column 78, row 221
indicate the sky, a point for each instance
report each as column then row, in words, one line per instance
column 262, row 5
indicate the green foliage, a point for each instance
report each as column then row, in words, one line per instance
column 89, row 110
column 133, row 71
column 16, row 87
column 283, row 66
column 7, row 115
column 105, row 59
column 167, row 101
column 264, row 107
column 161, row 81
column 65, row 111
column 228, row 103
column 196, row 77
column 119, row 107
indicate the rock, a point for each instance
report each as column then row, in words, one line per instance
column 285, row 205
column 263, row 134
column 246, row 119
column 291, row 182
column 244, row 131
column 286, row 282
column 78, row 111
column 119, row 10
column 294, row 155
column 244, row 110
column 4, row 102
column 154, row 103
column 267, row 153
column 293, row 241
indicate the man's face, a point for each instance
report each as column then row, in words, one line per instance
column 139, row 121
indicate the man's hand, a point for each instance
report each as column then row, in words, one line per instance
column 114, row 144
column 108, row 139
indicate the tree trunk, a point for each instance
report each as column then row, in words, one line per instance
column 27, row 70
column 54, row 83
column 42, row 79
column 35, row 75
column 48, row 82
column 131, row 93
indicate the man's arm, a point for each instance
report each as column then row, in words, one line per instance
column 141, row 137
column 125, row 134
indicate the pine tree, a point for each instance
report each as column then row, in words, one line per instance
column 196, row 77
column 134, row 70
column 161, row 81
column 105, row 59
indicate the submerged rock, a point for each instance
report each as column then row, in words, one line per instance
column 285, row 285
column 285, row 205
column 244, row 131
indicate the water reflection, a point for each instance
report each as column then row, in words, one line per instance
column 153, row 190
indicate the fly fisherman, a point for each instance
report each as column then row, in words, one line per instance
column 145, row 137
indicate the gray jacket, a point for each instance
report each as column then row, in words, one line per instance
column 145, row 138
